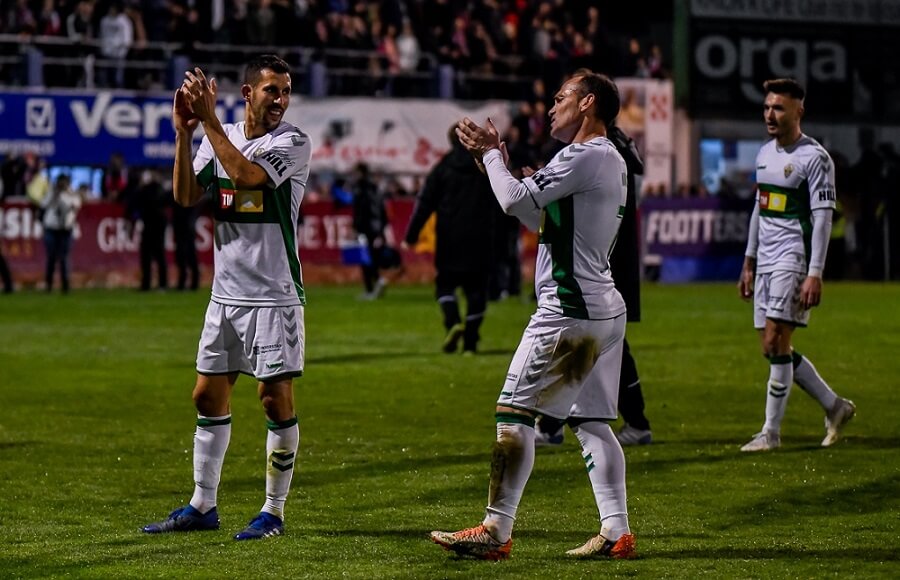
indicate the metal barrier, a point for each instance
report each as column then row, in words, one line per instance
column 57, row 62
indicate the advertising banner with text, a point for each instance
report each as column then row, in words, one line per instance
column 71, row 128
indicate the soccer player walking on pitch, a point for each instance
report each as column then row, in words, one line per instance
column 256, row 171
column 568, row 361
column 782, row 273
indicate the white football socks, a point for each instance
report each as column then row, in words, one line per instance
column 210, row 443
column 511, row 465
column 282, row 442
column 605, row 464
column 781, row 377
column 808, row 378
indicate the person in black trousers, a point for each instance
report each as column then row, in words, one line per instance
column 184, row 221
column 625, row 264
column 370, row 220
column 460, row 194
column 148, row 204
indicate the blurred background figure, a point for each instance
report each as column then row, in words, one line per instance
column 460, row 194
column 115, row 186
column 149, row 204
column 60, row 209
column 184, row 224
column 116, row 38
column 5, row 276
column 370, row 221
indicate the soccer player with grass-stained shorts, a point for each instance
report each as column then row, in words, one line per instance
column 256, row 172
column 786, row 247
column 568, row 362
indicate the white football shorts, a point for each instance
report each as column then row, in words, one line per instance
column 263, row 342
column 567, row 367
column 776, row 295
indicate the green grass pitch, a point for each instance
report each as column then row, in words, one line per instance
column 96, row 423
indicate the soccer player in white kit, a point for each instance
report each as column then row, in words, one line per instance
column 256, row 172
column 782, row 273
column 568, row 361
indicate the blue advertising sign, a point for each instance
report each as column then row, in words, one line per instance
column 696, row 239
column 67, row 128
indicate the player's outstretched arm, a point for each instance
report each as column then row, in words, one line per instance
column 186, row 190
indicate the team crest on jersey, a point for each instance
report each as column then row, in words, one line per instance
column 788, row 169
column 258, row 153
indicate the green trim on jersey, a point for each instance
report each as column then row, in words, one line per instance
column 797, row 207
column 558, row 232
column 276, row 209
column 207, row 174
column 797, row 204
column 281, row 197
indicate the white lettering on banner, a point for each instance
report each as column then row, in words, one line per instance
column 718, row 57
column 115, row 235
column 45, row 148
column 338, row 228
column 695, row 227
column 20, row 223
column 309, row 233
column 123, row 119
column 204, row 229
column 877, row 12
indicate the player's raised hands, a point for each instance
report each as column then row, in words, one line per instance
column 200, row 94
column 477, row 140
column 183, row 116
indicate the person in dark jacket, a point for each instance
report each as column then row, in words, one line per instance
column 370, row 220
column 625, row 263
column 148, row 203
column 460, row 194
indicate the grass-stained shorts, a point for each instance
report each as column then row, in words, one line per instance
column 262, row 342
column 776, row 295
column 567, row 367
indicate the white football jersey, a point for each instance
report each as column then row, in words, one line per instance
column 791, row 182
column 581, row 193
column 256, row 262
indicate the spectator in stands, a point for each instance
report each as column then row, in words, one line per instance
column 460, row 194
column 60, row 209
column 408, row 49
column 80, row 30
column 116, row 38
column 49, row 22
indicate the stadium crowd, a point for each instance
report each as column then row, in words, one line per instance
column 480, row 37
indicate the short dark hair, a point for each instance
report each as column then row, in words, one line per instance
column 605, row 91
column 273, row 62
column 789, row 87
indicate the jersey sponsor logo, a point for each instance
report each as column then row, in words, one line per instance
column 257, row 349
column 248, row 201
column 278, row 159
column 772, row 201
column 827, row 194
column 226, row 198
column 788, row 169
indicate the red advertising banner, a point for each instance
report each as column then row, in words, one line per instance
column 106, row 245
